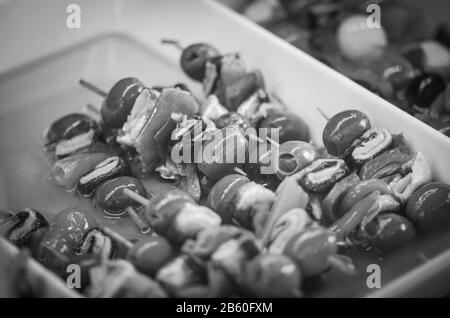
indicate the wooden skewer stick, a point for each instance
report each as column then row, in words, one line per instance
column 136, row 197
column 323, row 114
column 93, row 88
column 93, row 109
column 118, row 238
column 140, row 223
column 172, row 42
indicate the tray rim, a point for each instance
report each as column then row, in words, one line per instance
column 7, row 66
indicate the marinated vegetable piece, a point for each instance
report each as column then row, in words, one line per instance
column 332, row 200
column 157, row 131
column 110, row 198
column 110, row 168
column 320, row 176
column 387, row 164
column 66, row 172
column 371, row 144
column 77, row 143
column 20, row 228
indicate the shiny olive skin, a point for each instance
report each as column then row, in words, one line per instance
column 68, row 127
column 72, row 224
column 225, row 144
column 332, row 200
column 222, row 194
column 291, row 127
column 232, row 119
column 110, row 198
column 194, row 57
column 388, row 232
column 119, row 102
column 424, row 89
column 150, row 254
column 342, row 130
column 429, row 207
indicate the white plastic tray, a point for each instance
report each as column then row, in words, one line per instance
column 41, row 61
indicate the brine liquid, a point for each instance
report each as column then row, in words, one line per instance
column 24, row 166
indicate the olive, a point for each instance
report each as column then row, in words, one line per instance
column 320, row 176
column 110, row 198
column 71, row 225
column 271, row 276
column 294, row 156
column 424, row 89
column 388, row 232
column 223, row 152
column 223, row 192
column 20, row 228
column 109, row 168
column 194, row 58
column 291, row 127
column 68, row 127
column 310, row 249
column 361, row 190
column 232, row 119
column 150, row 254
column 332, row 200
column 261, row 164
column 342, row 130
column 429, row 207
column 119, row 101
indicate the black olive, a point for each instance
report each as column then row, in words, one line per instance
column 109, row 168
column 194, row 58
column 388, row 232
column 111, row 199
column 424, row 89
column 119, row 101
column 291, row 127
column 68, row 127
column 429, row 207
